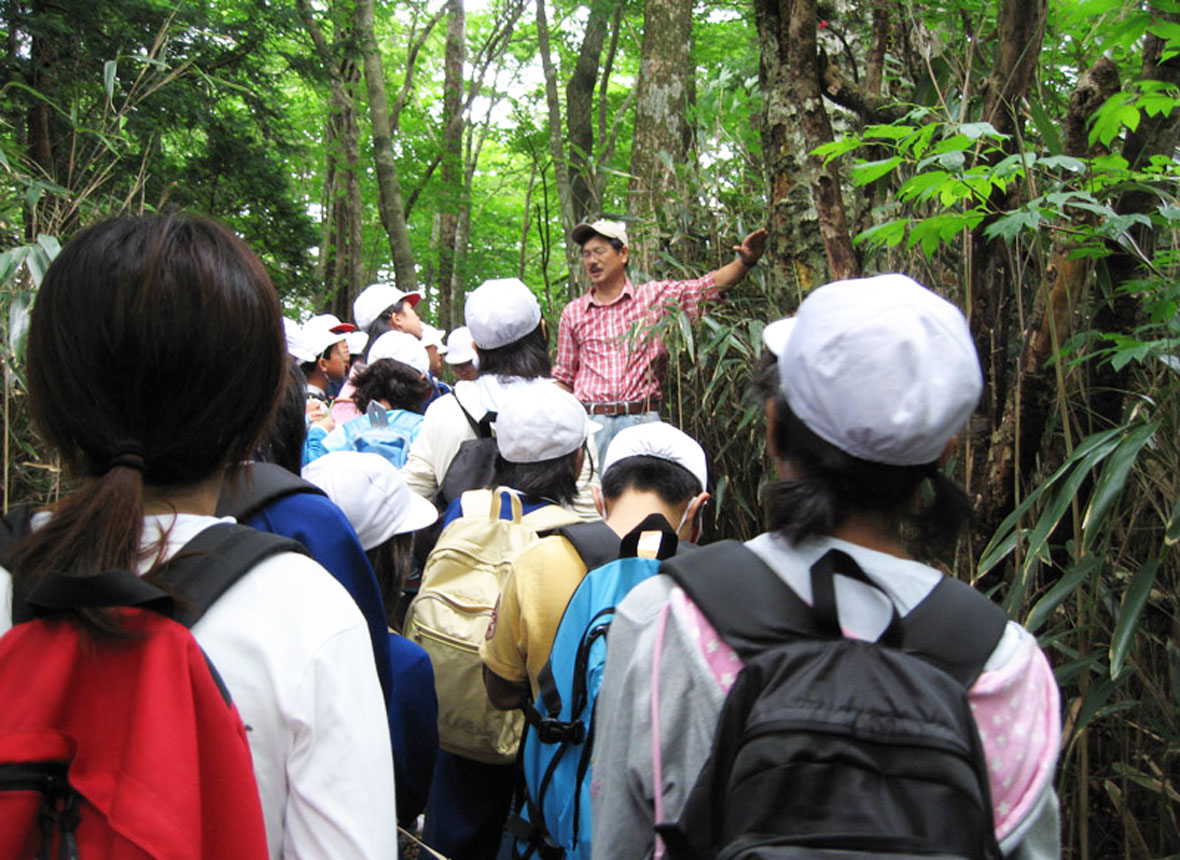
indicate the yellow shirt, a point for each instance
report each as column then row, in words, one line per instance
column 532, row 601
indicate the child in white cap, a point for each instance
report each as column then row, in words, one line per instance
column 460, row 354
column 541, row 434
column 392, row 391
column 649, row 469
column 873, row 383
column 512, row 343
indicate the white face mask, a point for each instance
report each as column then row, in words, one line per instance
column 687, row 510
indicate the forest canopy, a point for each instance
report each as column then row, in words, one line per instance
column 1017, row 156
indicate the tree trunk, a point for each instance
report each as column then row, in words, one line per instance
column 557, row 148
column 340, row 267
column 452, row 155
column 660, row 141
column 806, row 241
column 579, row 102
column 390, row 201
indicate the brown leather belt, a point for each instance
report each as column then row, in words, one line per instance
column 623, row 407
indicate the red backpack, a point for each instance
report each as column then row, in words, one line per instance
column 128, row 747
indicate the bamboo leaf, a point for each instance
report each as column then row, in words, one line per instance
column 1045, row 125
column 1097, row 695
column 1134, row 601
column 1173, row 531
column 1063, row 588
column 686, row 330
column 1114, row 477
column 1003, row 541
column 108, row 77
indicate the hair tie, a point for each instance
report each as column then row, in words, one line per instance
column 128, row 455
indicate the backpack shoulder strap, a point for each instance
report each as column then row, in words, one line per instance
column 745, row 601
column 956, row 628
column 481, row 427
column 595, row 542
column 211, row 562
column 255, row 486
column 13, row 526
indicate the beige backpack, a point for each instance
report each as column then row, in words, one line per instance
column 449, row 618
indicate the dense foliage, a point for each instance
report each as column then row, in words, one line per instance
column 1019, row 157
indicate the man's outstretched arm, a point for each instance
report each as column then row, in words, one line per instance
column 748, row 253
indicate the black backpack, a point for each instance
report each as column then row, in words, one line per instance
column 474, row 464
column 828, row 747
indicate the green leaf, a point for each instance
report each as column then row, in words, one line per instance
column 871, row 171
column 1169, row 31
column 923, row 186
column 1089, row 451
column 1009, row 227
column 1172, row 534
column 1097, row 695
column 686, row 331
column 1063, row 588
column 109, row 68
column 18, row 324
column 976, row 130
column 1074, row 165
column 1114, row 477
column 888, row 234
column 1045, row 125
column 1133, row 603
column 50, row 245
column 828, row 151
column 889, row 132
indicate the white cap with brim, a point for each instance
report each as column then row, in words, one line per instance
column 432, row 336
column 460, row 347
column 607, row 229
column 295, row 345
column 658, row 439
column 501, row 311
column 882, row 368
column 401, row 346
column 539, row 421
column 357, row 341
column 332, row 322
column 375, row 299
column 372, row 494
column 318, row 336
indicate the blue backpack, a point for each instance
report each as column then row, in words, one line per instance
column 389, row 438
column 555, row 820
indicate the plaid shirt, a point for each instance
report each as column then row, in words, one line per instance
column 594, row 355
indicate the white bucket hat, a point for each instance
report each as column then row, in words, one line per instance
column 882, row 368
column 372, row 494
column 539, row 421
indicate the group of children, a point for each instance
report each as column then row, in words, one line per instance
column 182, row 369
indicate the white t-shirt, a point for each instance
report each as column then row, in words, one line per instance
column 294, row 651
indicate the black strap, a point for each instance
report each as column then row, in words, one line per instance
column 669, row 540
column 211, row 562
column 60, row 592
column 823, row 596
column 482, row 427
column 595, row 542
column 745, row 601
column 252, row 487
column 956, row 628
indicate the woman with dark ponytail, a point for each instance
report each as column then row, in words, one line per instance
column 147, row 336
column 866, row 391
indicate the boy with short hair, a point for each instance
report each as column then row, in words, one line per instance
column 649, row 469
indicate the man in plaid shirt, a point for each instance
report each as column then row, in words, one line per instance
column 613, row 375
